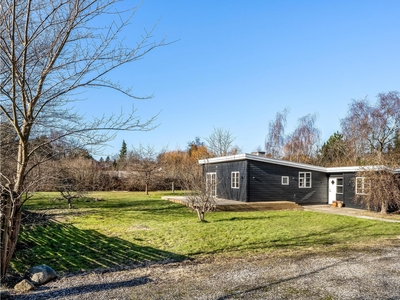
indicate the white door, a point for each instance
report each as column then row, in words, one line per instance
column 332, row 189
column 211, row 182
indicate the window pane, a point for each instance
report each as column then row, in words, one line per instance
column 235, row 180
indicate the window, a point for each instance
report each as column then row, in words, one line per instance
column 235, row 180
column 285, row 180
column 304, row 179
column 339, row 185
column 362, row 186
column 211, row 183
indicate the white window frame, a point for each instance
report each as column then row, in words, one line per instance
column 235, row 179
column 339, row 185
column 304, row 182
column 364, row 185
column 285, row 180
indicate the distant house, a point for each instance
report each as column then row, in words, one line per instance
column 256, row 178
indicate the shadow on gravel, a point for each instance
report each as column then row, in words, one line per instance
column 41, row 293
column 265, row 288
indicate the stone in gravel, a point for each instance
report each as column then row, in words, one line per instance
column 24, row 286
column 41, row 274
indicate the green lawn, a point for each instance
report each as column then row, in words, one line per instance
column 126, row 228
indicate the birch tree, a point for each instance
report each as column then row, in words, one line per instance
column 50, row 52
column 275, row 139
column 372, row 130
column 302, row 144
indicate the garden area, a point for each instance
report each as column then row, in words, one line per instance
column 119, row 229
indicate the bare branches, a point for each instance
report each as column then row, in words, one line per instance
column 50, row 51
column 200, row 191
column 220, row 142
column 144, row 160
column 379, row 188
column 276, row 135
column 302, row 144
column 371, row 130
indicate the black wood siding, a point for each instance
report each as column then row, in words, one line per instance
column 350, row 191
column 223, row 171
column 265, row 184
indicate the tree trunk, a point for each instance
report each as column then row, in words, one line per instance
column 69, row 204
column 11, row 207
column 10, row 227
column 384, row 207
column 147, row 188
column 200, row 215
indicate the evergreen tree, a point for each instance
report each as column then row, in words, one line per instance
column 123, row 152
column 333, row 151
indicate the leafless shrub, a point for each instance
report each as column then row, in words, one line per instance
column 378, row 187
column 199, row 191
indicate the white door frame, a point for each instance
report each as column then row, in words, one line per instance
column 332, row 183
column 213, row 177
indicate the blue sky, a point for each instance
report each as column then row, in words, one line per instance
column 237, row 63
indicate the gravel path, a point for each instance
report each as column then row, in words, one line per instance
column 372, row 274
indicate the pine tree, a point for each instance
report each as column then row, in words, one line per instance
column 123, row 152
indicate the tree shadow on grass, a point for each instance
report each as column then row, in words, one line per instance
column 319, row 238
column 68, row 249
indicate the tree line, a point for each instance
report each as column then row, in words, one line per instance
column 369, row 138
column 65, row 166
column 369, row 135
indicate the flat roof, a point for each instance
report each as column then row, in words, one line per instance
column 282, row 162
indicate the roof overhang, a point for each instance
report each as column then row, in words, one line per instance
column 261, row 159
column 281, row 162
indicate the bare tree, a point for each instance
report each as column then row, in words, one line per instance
column 275, row 139
column 71, row 180
column 371, row 130
column 378, row 188
column 199, row 191
column 51, row 51
column 302, row 144
column 220, row 142
column 144, row 160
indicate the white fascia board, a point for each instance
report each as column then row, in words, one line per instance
column 222, row 159
column 290, row 164
column 356, row 169
column 345, row 169
column 262, row 159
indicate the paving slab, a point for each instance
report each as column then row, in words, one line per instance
column 345, row 211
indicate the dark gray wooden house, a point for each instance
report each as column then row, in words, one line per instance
column 256, row 178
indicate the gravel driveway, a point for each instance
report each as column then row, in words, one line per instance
column 369, row 274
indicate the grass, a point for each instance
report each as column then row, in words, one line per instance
column 129, row 228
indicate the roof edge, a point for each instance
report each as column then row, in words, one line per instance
column 262, row 159
column 287, row 163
